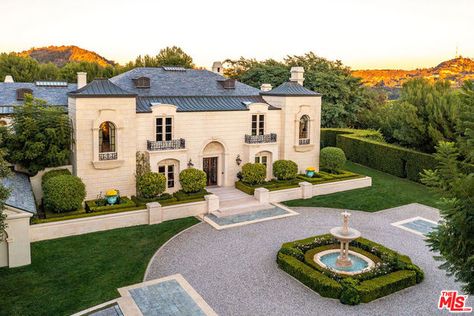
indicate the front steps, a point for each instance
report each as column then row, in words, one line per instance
column 233, row 201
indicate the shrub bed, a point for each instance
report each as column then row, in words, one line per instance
column 368, row 148
column 274, row 185
column 392, row 271
column 99, row 205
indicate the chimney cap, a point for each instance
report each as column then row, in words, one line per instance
column 266, row 87
column 8, row 79
column 297, row 75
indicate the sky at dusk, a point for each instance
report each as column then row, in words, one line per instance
column 363, row 34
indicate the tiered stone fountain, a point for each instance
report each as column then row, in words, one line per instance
column 348, row 261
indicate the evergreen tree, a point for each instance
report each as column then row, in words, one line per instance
column 4, row 192
column 23, row 69
column 40, row 136
column 454, row 237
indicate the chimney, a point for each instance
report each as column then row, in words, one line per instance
column 266, row 87
column 81, row 79
column 297, row 75
column 217, row 68
column 9, row 79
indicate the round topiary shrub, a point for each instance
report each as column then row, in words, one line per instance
column 63, row 193
column 253, row 173
column 53, row 173
column 332, row 158
column 151, row 184
column 285, row 169
column 192, row 180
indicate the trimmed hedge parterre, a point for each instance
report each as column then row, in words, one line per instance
column 392, row 271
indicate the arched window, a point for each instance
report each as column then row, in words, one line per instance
column 107, row 138
column 304, row 129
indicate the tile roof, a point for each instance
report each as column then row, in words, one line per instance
column 100, row 88
column 290, row 88
column 21, row 194
column 191, row 82
column 53, row 95
column 201, row 103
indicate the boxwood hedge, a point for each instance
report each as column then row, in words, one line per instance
column 368, row 148
column 399, row 271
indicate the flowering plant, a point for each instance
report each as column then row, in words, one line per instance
column 111, row 192
column 311, row 169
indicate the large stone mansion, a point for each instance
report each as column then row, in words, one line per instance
column 179, row 118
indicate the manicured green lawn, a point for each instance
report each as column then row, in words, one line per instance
column 387, row 191
column 74, row 273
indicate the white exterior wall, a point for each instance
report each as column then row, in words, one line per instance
column 87, row 114
column 227, row 128
column 15, row 248
column 293, row 108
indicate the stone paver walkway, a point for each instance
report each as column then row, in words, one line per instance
column 235, row 272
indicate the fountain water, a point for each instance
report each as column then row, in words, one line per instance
column 347, row 262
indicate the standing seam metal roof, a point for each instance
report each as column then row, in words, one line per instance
column 101, row 87
column 290, row 88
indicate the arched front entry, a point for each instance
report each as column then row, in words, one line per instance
column 213, row 163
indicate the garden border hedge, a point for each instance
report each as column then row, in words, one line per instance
column 291, row 258
column 362, row 146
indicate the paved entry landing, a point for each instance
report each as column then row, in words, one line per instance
column 233, row 201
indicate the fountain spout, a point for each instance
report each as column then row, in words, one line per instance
column 345, row 235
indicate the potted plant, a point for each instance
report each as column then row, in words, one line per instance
column 310, row 171
column 111, row 196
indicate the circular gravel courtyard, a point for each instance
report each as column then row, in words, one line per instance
column 234, row 269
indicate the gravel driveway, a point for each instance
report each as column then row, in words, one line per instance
column 234, row 270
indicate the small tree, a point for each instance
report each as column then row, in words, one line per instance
column 332, row 158
column 253, row 173
column 151, row 184
column 4, row 192
column 285, row 169
column 192, row 180
column 174, row 56
column 40, row 137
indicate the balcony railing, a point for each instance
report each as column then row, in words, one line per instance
column 304, row 141
column 108, row 156
column 258, row 139
column 166, row 144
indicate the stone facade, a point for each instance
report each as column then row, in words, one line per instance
column 205, row 134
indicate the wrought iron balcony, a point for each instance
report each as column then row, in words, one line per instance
column 304, row 141
column 108, row 156
column 166, row 144
column 259, row 139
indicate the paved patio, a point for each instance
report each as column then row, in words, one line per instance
column 235, row 272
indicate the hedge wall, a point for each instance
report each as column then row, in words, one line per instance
column 360, row 146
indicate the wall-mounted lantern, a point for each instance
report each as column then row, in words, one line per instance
column 190, row 163
column 238, row 160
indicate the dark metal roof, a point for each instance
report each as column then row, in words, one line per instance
column 53, row 95
column 201, row 103
column 290, row 88
column 21, row 193
column 100, row 88
column 190, row 82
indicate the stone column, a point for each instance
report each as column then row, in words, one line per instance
column 307, row 189
column 212, row 203
column 262, row 195
column 155, row 213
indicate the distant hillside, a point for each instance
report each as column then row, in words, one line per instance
column 60, row 55
column 455, row 70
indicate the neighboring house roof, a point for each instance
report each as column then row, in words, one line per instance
column 54, row 95
column 184, row 82
column 21, row 193
column 100, row 88
column 290, row 88
column 201, row 103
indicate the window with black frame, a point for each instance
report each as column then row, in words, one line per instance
column 258, row 124
column 164, row 129
column 107, row 138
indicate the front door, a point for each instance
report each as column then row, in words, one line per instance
column 210, row 168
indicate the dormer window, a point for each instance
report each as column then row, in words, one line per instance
column 228, row 83
column 142, row 82
column 20, row 94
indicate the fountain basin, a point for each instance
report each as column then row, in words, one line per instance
column 328, row 258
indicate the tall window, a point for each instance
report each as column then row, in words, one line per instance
column 258, row 124
column 304, row 127
column 168, row 171
column 107, row 137
column 164, row 128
